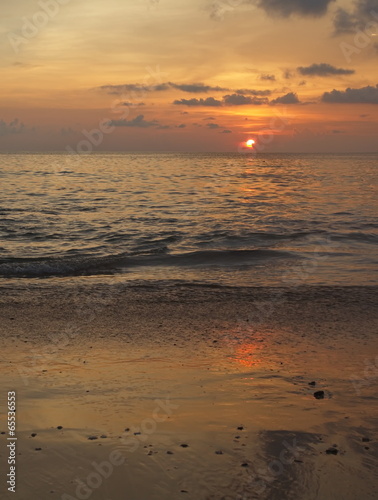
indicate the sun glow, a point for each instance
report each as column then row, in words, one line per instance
column 250, row 143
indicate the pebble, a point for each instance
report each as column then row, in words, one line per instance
column 244, row 464
column 169, row 452
column 332, row 451
column 38, row 449
column 365, row 439
column 240, row 428
column 184, row 445
column 313, row 383
column 59, row 427
column 92, row 438
column 219, row 452
column 33, row 434
column 319, row 395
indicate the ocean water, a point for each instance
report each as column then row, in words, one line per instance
column 228, row 219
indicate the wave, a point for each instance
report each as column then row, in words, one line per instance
column 112, row 264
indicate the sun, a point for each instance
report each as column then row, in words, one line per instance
column 250, row 143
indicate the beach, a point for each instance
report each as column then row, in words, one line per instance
column 183, row 391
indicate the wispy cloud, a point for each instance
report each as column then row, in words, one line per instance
column 290, row 98
column 138, row 122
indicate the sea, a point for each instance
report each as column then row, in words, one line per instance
column 219, row 219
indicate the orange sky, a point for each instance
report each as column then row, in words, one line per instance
column 193, row 75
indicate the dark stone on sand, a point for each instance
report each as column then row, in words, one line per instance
column 332, row 451
column 244, row 464
column 319, row 395
column 184, row 445
column 38, row 449
column 59, row 427
column 367, row 448
column 137, row 433
column 103, row 436
column 219, row 452
column 365, row 439
column 2, row 432
column 33, row 434
column 169, row 452
column 127, row 429
column 240, row 428
column 313, row 383
column 92, row 438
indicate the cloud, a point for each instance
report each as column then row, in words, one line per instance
column 13, row 127
column 209, row 101
column 182, row 125
column 240, row 100
column 286, row 8
column 212, row 125
column 138, row 121
column 261, row 93
column 323, row 69
column 133, row 87
column 346, row 21
column 269, row 78
column 364, row 95
column 195, row 88
column 289, row 98
column 133, row 104
column 226, row 132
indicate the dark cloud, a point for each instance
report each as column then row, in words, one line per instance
column 323, row 69
column 182, row 125
column 260, row 93
column 196, row 88
column 13, row 127
column 270, row 78
column 364, row 95
column 138, row 121
column 212, row 125
column 289, row 98
column 349, row 21
column 286, row 8
column 209, row 101
column 226, row 132
column 240, row 100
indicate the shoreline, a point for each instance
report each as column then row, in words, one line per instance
column 226, row 371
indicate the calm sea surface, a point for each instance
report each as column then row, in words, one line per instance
column 205, row 218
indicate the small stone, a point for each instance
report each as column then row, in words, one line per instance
column 103, row 436
column 38, row 449
column 365, row 439
column 127, row 429
column 169, row 452
column 367, row 448
column 240, row 428
column 313, row 383
column 59, row 427
column 219, row 452
column 150, row 452
column 332, row 451
column 92, row 438
column 2, row 432
column 33, row 434
column 184, row 445
column 319, row 395
column 244, row 464
column 137, row 433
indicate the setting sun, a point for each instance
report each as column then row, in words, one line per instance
column 250, row 143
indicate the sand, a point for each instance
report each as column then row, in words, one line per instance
column 112, row 380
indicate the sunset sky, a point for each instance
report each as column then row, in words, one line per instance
column 189, row 75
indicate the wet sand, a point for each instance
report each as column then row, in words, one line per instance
column 131, row 374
